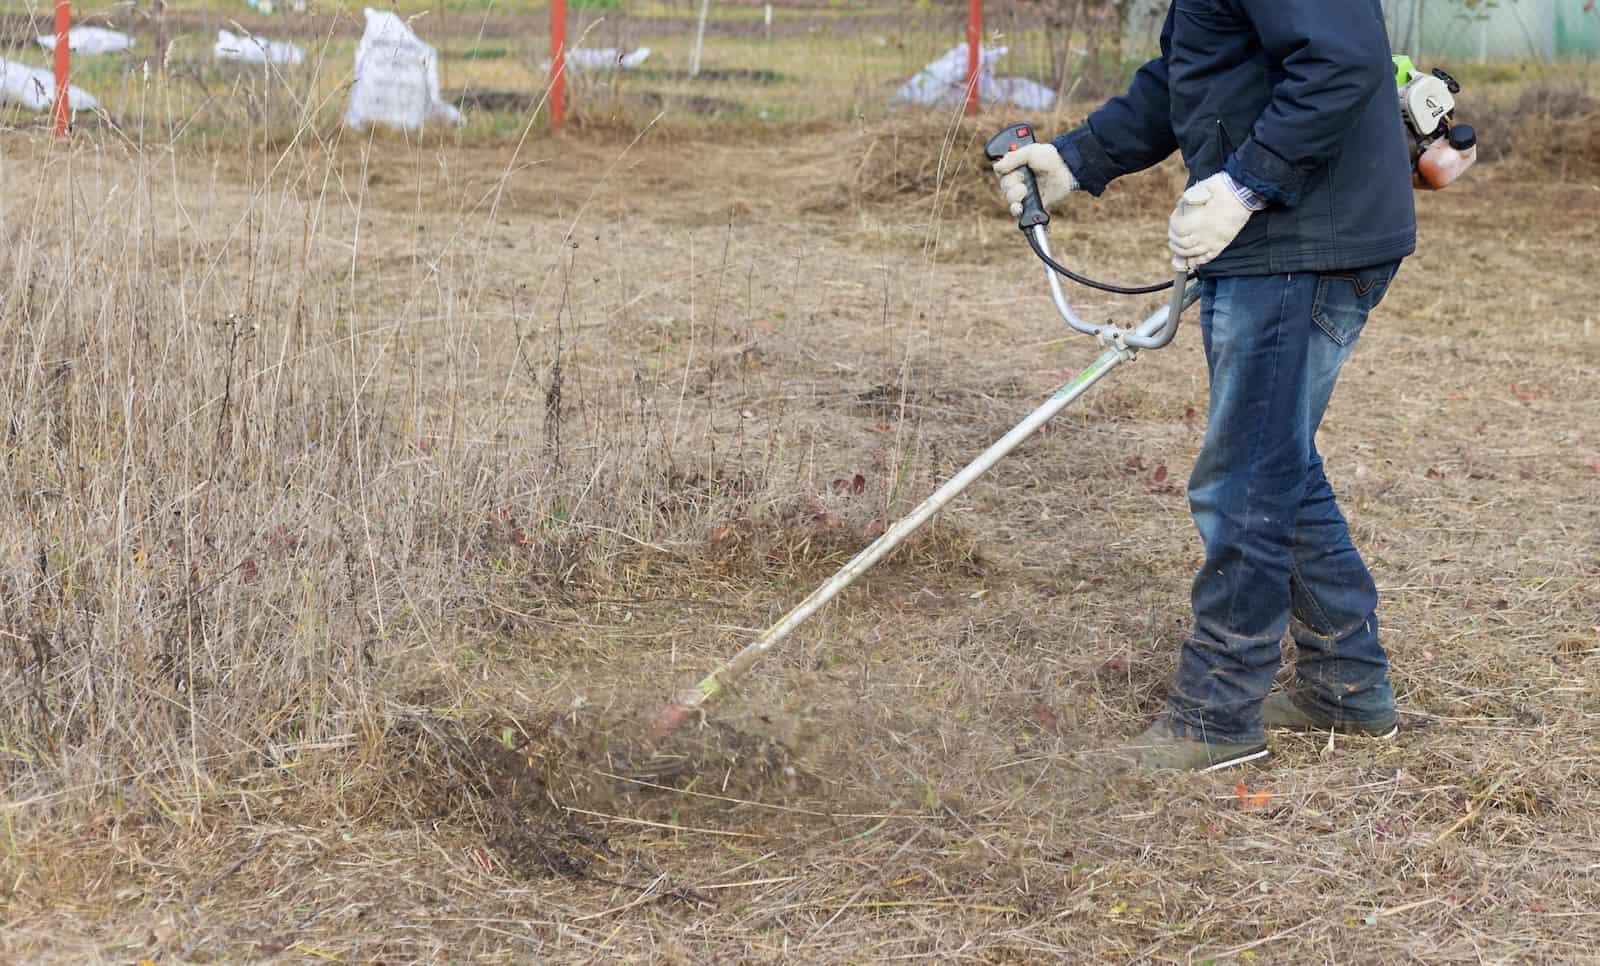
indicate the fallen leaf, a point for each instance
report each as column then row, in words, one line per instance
column 1248, row 800
column 1158, row 482
column 1046, row 718
column 858, row 483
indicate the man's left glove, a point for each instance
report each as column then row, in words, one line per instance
column 1054, row 178
column 1208, row 218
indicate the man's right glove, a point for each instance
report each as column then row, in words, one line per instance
column 1209, row 216
column 1054, row 178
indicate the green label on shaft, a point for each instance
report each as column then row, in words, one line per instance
column 1087, row 375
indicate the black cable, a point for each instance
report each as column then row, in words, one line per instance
column 1102, row 286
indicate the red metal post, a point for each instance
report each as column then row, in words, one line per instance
column 974, row 49
column 558, row 62
column 63, row 64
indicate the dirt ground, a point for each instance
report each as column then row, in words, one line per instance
column 652, row 392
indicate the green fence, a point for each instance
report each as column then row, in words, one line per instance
column 1485, row 30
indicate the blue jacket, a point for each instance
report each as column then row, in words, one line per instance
column 1296, row 100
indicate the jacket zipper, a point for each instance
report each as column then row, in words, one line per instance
column 1227, row 142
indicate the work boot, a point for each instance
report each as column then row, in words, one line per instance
column 1159, row 749
column 1279, row 710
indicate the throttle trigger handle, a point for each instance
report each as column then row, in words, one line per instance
column 1009, row 139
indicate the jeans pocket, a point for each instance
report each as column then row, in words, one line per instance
column 1345, row 298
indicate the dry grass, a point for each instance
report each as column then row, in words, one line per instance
column 1553, row 127
column 362, row 496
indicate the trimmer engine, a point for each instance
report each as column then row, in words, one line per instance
column 1426, row 100
column 1441, row 150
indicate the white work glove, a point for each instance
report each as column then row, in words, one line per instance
column 1054, row 178
column 1208, row 218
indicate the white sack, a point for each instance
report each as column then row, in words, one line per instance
column 36, row 89
column 267, row 6
column 90, row 40
column 943, row 83
column 1030, row 95
column 397, row 78
column 602, row 58
column 255, row 50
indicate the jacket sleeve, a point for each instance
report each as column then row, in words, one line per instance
column 1335, row 58
column 1130, row 133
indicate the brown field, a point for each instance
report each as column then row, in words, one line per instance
column 362, row 497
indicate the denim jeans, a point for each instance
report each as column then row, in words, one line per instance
column 1278, row 555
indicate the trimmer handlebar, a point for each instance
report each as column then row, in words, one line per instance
column 1154, row 332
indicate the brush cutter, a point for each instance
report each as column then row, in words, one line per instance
column 1120, row 343
column 1441, row 149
